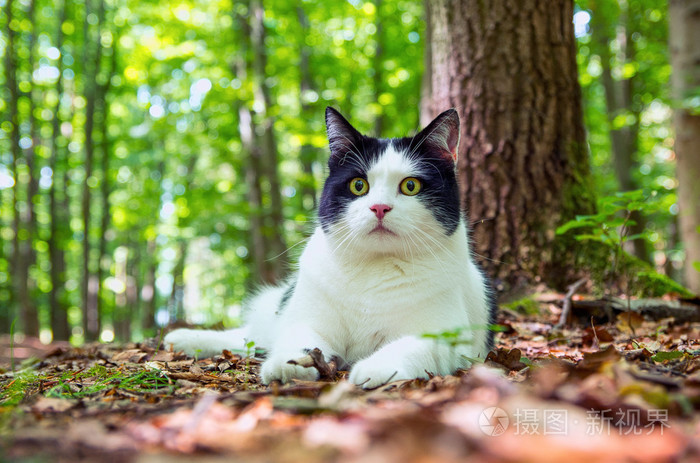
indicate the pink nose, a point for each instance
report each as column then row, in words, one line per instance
column 380, row 209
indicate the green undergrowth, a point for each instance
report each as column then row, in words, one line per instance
column 96, row 381
column 99, row 378
column 525, row 306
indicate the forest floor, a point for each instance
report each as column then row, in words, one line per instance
column 610, row 387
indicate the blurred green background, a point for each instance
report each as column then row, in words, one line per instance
column 125, row 188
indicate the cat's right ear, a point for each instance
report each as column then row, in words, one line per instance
column 443, row 134
column 343, row 138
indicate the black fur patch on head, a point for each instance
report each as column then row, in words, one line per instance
column 434, row 149
column 351, row 154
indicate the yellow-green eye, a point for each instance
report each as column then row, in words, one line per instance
column 410, row 186
column 359, row 186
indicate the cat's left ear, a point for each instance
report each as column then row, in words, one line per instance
column 443, row 134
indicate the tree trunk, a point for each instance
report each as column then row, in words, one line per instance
column 246, row 131
column 308, row 155
column 57, row 306
column 426, row 85
column 30, row 313
column 377, row 68
column 684, row 21
column 274, row 223
column 91, row 316
column 177, row 302
column 105, row 185
column 17, row 270
column 523, row 165
column 149, row 293
column 266, row 244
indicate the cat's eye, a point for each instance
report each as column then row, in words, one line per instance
column 359, row 186
column 410, row 186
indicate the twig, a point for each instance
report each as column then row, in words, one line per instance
column 314, row 359
column 566, row 308
column 596, row 341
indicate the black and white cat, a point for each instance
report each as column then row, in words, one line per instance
column 388, row 263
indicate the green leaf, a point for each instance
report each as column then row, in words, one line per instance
column 663, row 356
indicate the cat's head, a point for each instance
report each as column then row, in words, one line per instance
column 391, row 196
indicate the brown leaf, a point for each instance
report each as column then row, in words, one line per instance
column 130, row 355
column 507, row 358
column 52, row 404
column 595, row 360
column 601, row 333
column 629, row 322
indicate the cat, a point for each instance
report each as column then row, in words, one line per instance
column 389, row 262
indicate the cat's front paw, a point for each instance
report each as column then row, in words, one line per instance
column 278, row 368
column 374, row 372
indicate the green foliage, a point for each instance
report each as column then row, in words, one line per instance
column 526, row 306
column 177, row 171
column 610, row 225
column 664, row 356
column 457, row 336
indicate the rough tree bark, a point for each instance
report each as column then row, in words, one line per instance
column 684, row 21
column 510, row 70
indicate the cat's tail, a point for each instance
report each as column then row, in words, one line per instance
column 260, row 327
column 205, row 343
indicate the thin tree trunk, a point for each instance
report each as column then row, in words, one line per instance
column 57, row 306
column 246, row 130
column 149, row 293
column 308, row 153
column 17, row 271
column 178, row 290
column 523, row 165
column 105, row 185
column 274, row 229
column 259, row 244
column 91, row 317
column 684, row 43
column 29, row 309
column 377, row 67
column 426, row 87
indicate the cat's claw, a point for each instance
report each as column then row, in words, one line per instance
column 278, row 368
column 369, row 374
